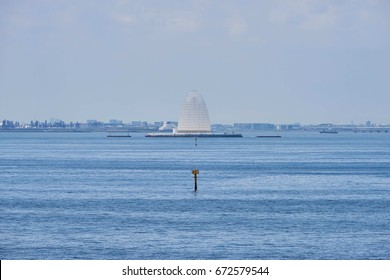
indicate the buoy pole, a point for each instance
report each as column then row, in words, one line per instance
column 195, row 172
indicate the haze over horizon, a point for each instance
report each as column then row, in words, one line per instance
column 252, row 61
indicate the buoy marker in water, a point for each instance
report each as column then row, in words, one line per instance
column 195, row 172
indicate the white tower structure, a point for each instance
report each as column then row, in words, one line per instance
column 194, row 117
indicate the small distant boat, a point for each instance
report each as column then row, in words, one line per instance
column 268, row 136
column 332, row 131
column 118, row 135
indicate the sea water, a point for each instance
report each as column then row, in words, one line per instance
column 305, row 195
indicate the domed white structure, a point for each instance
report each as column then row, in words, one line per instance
column 193, row 121
column 194, row 117
column 167, row 126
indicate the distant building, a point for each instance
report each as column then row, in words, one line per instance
column 91, row 122
column 136, row 123
column 115, row 122
column 167, row 126
column 194, row 117
column 254, row 126
column 94, row 123
column 222, row 127
column 288, row 126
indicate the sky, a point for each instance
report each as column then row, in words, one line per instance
column 277, row 61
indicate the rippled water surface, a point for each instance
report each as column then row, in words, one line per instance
column 303, row 196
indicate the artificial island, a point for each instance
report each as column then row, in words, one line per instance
column 194, row 120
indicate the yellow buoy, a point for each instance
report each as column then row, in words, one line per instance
column 195, row 172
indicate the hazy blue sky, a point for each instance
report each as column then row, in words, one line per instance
column 278, row 61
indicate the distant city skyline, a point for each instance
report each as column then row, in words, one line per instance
column 138, row 122
column 149, row 120
column 281, row 61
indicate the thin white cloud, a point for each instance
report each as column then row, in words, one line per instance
column 323, row 19
column 22, row 19
column 157, row 17
column 124, row 18
column 324, row 14
column 179, row 21
column 306, row 14
column 237, row 26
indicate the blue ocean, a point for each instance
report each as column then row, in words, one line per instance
column 305, row 195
